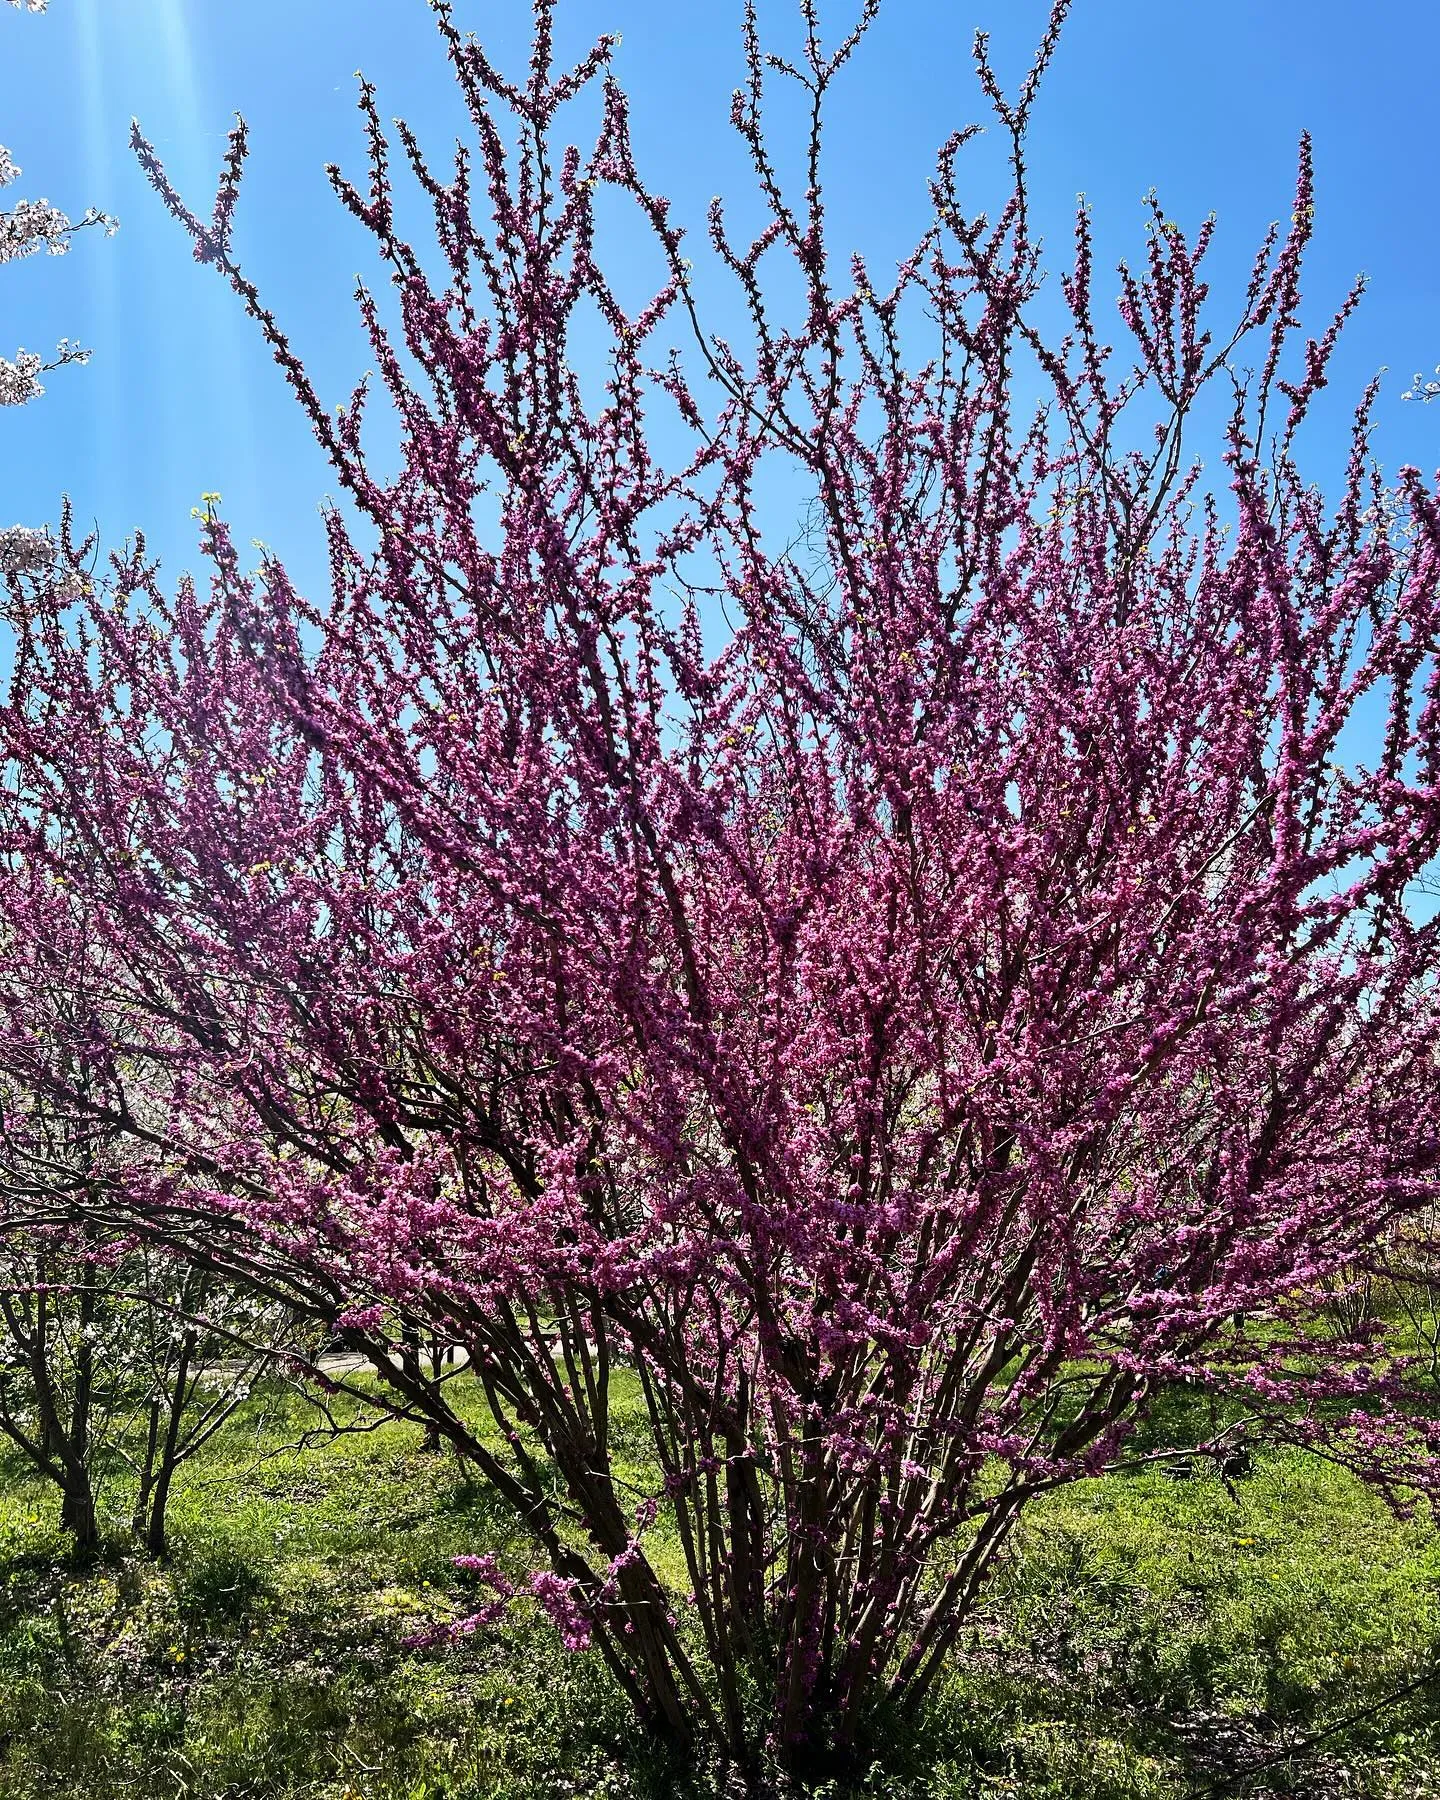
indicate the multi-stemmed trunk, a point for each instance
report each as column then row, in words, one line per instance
column 63, row 1450
column 162, row 1450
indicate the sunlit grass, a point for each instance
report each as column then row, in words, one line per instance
column 1148, row 1636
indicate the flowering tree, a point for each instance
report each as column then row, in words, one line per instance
column 25, row 228
column 116, row 1359
column 897, row 997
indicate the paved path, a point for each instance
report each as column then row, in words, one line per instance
column 334, row 1362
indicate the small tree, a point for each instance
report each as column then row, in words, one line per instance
column 117, row 1354
column 49, row 1405
column 198, row 1348
column 900, row 997
column 118, row 1357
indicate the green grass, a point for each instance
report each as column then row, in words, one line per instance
column 1149, row 1639
column 1156, row 1637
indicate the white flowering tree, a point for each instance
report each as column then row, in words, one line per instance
column 26, row 228
column 118, row 1363
column 119, row 1360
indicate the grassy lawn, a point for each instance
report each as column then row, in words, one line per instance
column 1150, row 1638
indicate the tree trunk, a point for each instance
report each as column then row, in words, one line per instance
column 156, row 1541
column 77, row 1509
column 139, row 1519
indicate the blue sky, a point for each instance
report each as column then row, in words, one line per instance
column 1203, row 99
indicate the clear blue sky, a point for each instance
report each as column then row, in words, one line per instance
column 1203, row 99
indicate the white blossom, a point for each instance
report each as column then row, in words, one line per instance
column 24, row 550
column 31, row 223
column 1424, row 387
column 25, row 228
column 20, row 380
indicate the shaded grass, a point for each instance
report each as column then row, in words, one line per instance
column 1149, row 1639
